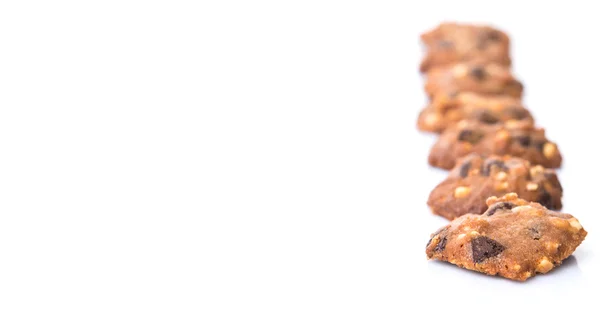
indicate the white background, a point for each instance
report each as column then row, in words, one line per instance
column 260, row 159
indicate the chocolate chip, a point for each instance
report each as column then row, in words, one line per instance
column 470, row 136
column 545, row 199
column 484, row 248
column 485, row 37
column 488, row 167
column 535, row 233
column 493, row 35
column 517, row 113
column 539, row 145
column 525, row 141
column 435, row 234
column 464, row 169
column 487, row 117
column 515, row 85
column 441, row 245
column 478, row 73
column 553, row 179
column 499, row 206
column 445, row 44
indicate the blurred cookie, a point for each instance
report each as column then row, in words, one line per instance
column 472, row 77
column 445, row 110
column 450, row 43
column 519, row 139
column 476, row 178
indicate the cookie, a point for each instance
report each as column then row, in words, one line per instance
column 514, row 239
column 476, row 178
column 447, row 110
column 491, row 79
column 451, row 43
column 519, row 139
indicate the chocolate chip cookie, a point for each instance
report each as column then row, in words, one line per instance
column 472, row 77
column 445, row 110
column 476, row 178
column 450, row 43
column 519, row 139
column 514, row 239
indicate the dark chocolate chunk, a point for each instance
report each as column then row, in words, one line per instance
column 478, row 73
column 493, row 35
column 445, row 44
column 553, row 179
column 484, row 248
column 441, row 245
column 545, row 199
column 525, row 141
column 435, row 234
column 499, row 206
column 488, row 167
column 464, row 169
column 517, row 113
column 517, row 86
column 484, row 38
column 487, row 117
column 539, row 145
column 470, row 136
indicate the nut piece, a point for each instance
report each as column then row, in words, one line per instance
column 560, row 223
column 575, row 224
column 544, row 266
column 549, row 149
column 502, row 186
column 501, row 175
column 522, row 208
column 460, row 70
column 432, row 119
column 534, row 171
column 517, row 267
column 473, row 233
column 502, row 135
column 461, row 192
column 532, row 186
column 551, row 247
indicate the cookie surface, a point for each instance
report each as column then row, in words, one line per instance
column 445, row 110
column 519, row 139
column 450, row 43
column 476, row 178
column 514, row 239
column 491, row 79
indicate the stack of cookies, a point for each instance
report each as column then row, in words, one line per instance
column 501, row 190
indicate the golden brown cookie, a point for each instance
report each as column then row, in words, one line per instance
column 446, row 110
column 450, row 43
column 472, row 77
column 514, row 239
column 476, row 178
column 518, row 139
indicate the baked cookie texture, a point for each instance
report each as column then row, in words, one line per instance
column 514, row 239
column 472, row 77
column 446, row 110
column 519, row 139
column 450, row 43
column 476, row 178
